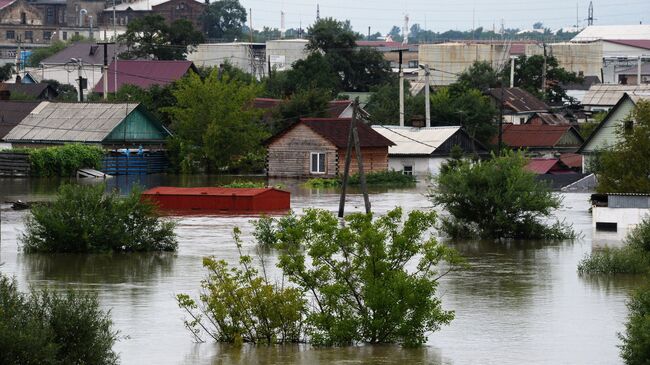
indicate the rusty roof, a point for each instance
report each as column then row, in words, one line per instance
column 548, row 118
column 12, row 112
column 336, row 131
column 536, row 135
column 542, row 165
column 210, row 191
column 334, row 108
column 518, row 100
column 5, row 3
column 144, row 73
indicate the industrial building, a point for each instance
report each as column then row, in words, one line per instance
column 249, row 57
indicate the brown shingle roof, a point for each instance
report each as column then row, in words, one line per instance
column 518, row 100
column 336, row 131
column 531, row 135
column 12, row 112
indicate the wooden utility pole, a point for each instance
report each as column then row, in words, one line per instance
column 544, row 71
column 105, row 66
column 353, row 139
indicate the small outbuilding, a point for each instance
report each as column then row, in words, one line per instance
column 219, row 200
column 316, row 147
column 518, row 104
column 422, row 151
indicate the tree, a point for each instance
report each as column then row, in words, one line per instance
column 626, row 167
column 313, row 72
column 65, row 92
column 214, row 126
column 224, row 19
column 39, row 54
column 46, row 327
column 496, row 199
column 156, row 99
column 6, row 72
column 395, row 34
column 538, row 25
column 150, row 36
column 330, row 35
column 383, row 105
column 528, row 76
column 480, row 75
column 305, row 103
column 636, row 340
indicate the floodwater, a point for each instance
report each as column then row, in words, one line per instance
column 519, row 303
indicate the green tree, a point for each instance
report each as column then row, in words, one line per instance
column 305, row 103
column 383, row 105
column 65, row 92
column 6, row 71
column 82, row 219
column 480, row 76
column 45, row 327
column 635, row 349
column 496, row 199
column 528, row 76
column 626, row 167
column 41, row 53
column 150, row 36
column 313, row 72
column 224, row 19
column 469, row 109
column 214, row 126
column 156, row 99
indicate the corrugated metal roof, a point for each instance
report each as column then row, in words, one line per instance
column 144, row 73
column 637, row 43
column 5, row 3
column 210, row 191
column 70, row 122
column 531, row 135
column 88, row 53
column 518, row 100
column 645, row 70
column 12, row 112
column 595, row 32
column 606, row 95
column 541, row 165
column 415, row 141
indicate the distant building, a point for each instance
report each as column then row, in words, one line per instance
column 144, row 73
column 422, row 151
column 542, row 140
column 598, row 32
column 282, row 53
column 248, row 57
column 603, row 97
column 107, row 125
column 171, row 10
column 629, row 76
column 604, row 136
column 316, row 147
column 585, row 59
column 578, row 90
column 519, row 105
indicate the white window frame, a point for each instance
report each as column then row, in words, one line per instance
column 409, row 173
column 318, row 163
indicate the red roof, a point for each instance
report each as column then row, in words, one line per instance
column 541, row 165
column 5, row 3
column 534, row 135
column 209, row 191
column 144, row 73
column 572, row 160
column 638, row 43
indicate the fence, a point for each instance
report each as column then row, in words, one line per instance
column 148, row 163
column 14, row 164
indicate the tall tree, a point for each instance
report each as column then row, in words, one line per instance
column 480, row 75
column 224, row 20
column 214, row 126
column 304, row 103
column 150, row 36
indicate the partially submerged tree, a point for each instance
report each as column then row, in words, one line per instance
column 46, row 327
column 496, row 199
column 625, row 168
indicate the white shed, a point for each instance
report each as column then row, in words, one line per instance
column 421, row 151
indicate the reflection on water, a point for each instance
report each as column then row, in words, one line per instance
column 518, row 303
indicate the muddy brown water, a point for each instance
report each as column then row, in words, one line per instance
column 519, row 303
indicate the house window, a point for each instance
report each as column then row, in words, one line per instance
column 47, row 35
column 317, row 163
column 11, row 34
column 407, row 170
column 50, row 16
column 522, row 120
column 65, row 36
column 29, row 35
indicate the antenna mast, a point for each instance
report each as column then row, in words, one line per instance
column 590, row 17
column 405, row 30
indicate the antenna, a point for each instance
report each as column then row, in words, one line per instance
column 405, row 30
column 317, row 12
column 590, row 17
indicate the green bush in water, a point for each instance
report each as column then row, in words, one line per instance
column 320, row 183
column 635, row 349
column 83, row 219
column 245, row 184
column 64, row 160
column 384, row 178
column 45, row 327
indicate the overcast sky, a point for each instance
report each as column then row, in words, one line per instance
column 440, row 15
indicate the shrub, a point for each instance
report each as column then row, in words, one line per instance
column 496, row 199
column 45, row 327
column 245, row 184
column 635, row 349
column 83, row 219
column 320, row 183
column 384, row 178
column 64, row 160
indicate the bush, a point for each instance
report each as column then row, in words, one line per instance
column 64, row 160
column 496, row 199
column 635, row 349
column 245, row 184
column 83, row 219
column 320, row 183
column 44, row 327
column 385, row 178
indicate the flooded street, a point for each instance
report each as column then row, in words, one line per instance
column 519, row 303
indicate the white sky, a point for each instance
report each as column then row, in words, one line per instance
column 441, row 15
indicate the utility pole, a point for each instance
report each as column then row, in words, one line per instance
column 427, row 101
column 18, row 55
column 353, row 139
column 638, row 71
column 105, row 43
column 512, row 71
column 544, row 71
column 500, row 144
column 401, row 86
column 81, row 80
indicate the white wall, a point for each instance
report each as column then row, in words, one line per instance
column 626, row 218
column 284, row 52
column 68, row 74
column 422, row 166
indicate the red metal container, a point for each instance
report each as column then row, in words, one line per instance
column 219, row 200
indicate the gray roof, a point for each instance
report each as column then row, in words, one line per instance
column 70, row 122
column 415, row 141
column 88, row 53
column 606, row 95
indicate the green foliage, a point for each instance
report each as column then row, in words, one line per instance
column 586, row 129
column 243, row 306
column 83, row 219
column 6, row 71
column 245, row 184
column 496, row 199
column 41, row 53
column 635, row 349
column 64, row 160
column 357, row 276
column 302, row 104
column 66, row 92
column 214, row 126
column 151, row 36
column 384, row 178
column 383, row 105
column 625, row 167
column 528, row 76
column 480, row 76
column 45, row 327
column 224, row 19
column 319, row 183
column 17, row 95
column 155, row 99
column 632, row 258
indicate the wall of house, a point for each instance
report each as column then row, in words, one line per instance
column 422, row 166
column 625, row 218
column 290, row 154
column 136, row 128
column 67, row 75
column 606, row 135
column 283, row 53
column 375, row 159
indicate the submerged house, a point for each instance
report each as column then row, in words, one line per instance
column 542, row 140
column 619, row 212
column 316, row 147
column 422, row 151
column 108, row 125
column 604, row 136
